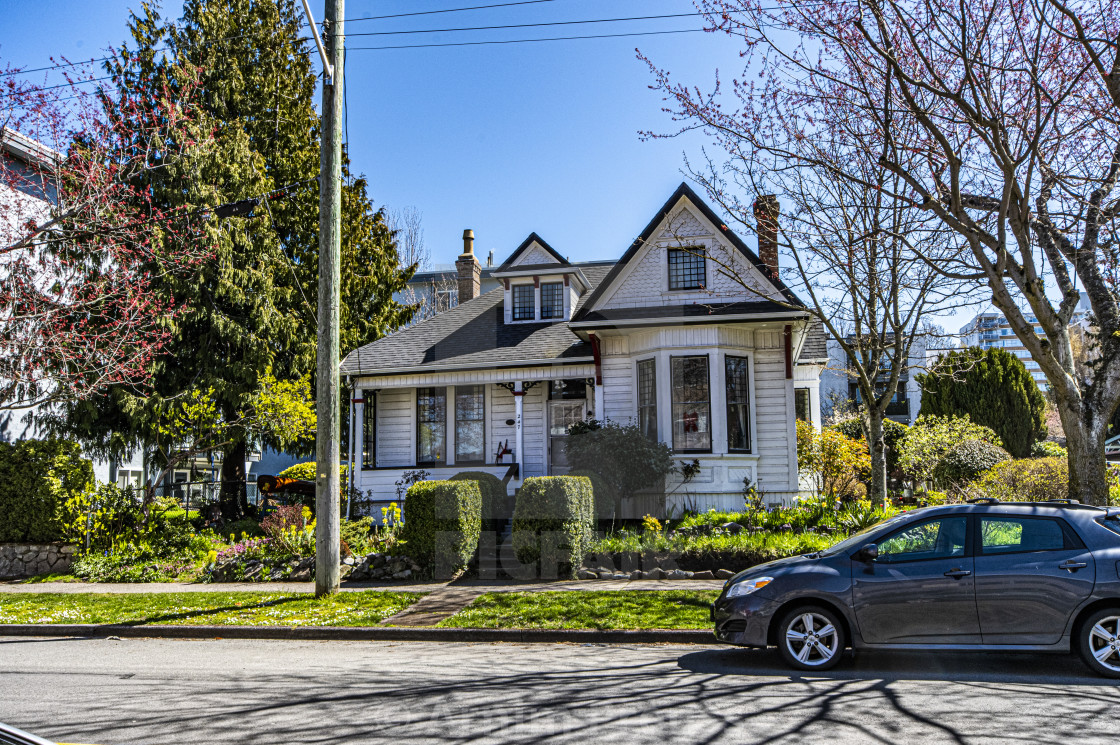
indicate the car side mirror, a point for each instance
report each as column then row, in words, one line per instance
column 870, row 552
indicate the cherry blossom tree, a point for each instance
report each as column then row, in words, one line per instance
column 81, row 239
column 996, row 118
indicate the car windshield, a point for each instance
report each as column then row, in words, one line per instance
column 857, row 539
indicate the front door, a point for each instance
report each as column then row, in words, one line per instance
column 920, row 590
column 561, row 415
column 1031, row 573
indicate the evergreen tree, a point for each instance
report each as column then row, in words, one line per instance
column 994, row 389
column 250, row 309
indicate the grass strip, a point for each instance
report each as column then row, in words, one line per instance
column 586, row 609
column 205, row 608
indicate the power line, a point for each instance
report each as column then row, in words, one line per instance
column 524, row 25
column 448, row 10
column 528, row 41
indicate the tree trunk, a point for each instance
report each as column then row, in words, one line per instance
column 1086, row 430
column 232, row 497
column 878, row 447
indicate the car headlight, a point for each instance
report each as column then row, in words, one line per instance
column 747, row 586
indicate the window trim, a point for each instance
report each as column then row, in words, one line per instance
column 442, row 419
column 560, row 308
column 652, row 361
column 672, row 404
column 532, row 302
column 1070, row 540
column 695, row 252
column 369, row 440
column 746, row 404
column 969, row 539
column 455, row 418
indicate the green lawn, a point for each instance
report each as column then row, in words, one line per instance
column 621, row 609
column 200, row 608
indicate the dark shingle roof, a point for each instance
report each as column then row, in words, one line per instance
column 692, row 313
column 473, row 334
column 816, row 343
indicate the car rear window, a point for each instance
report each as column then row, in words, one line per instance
column 1112, row 522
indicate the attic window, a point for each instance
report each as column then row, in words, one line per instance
column 686, row 269
column 523, row 305
column 552, row 300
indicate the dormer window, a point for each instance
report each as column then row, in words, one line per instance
column 552, row 300
column 523, row 303
column 686, row 269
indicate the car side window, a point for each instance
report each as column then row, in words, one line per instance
column 1005, row 535
column 933, row 539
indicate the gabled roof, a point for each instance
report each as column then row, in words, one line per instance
column 685, row 191
column 473, row 335
column 511, row 262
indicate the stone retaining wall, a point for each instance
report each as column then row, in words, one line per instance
column 29, row 559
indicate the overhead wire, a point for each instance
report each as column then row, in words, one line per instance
column 529, row 41
column 523, row 25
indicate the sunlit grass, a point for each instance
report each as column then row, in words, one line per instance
column 621, row 609
column 194, row 608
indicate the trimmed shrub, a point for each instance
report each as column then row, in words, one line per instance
column 442, row 521
column 602, row 492
column 624, row 457
column 41, row 482
column 1025, row 480
column 931, row 438
column 553, row 523
column 966, row 461
column 493, row 491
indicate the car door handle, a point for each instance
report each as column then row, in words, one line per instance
column 1072, row 566
column 957, row 573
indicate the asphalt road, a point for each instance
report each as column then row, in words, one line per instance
column 148, row 691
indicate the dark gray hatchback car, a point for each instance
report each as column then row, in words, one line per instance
column 1037, row 576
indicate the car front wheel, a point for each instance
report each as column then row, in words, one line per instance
column 811, row 638
column 1099, row 642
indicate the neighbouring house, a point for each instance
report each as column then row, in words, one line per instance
column 434, row 289
column 689, row 334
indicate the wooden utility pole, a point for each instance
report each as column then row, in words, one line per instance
column 327, row 481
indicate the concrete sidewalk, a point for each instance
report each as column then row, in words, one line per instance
column 474, row 585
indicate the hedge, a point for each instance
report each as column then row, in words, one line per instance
column 553, row 523
column 603, row 493
column 38, row 478
column 442, row 521
column 494, row 493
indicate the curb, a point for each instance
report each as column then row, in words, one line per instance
column 368, row 633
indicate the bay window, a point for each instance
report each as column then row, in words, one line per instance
column 647, row 399
column 431, row 425
column 736, row 384
column 692, row 420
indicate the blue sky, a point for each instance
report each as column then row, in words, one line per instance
column 502, row 139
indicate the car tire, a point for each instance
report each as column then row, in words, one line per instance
column 811, row 638
column 1098, row 642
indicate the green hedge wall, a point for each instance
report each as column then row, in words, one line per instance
column 493, row 493
column 442, row 520
column 553, row 523
column 37, row 479
column 603, row 493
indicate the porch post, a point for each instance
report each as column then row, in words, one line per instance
column 597, row 353
column 519, row 427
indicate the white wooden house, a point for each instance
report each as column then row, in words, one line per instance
column 690, row 335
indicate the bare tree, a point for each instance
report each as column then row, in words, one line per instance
column 434, row 296
column 998, row 118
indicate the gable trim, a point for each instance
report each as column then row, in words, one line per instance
column 685, row 191
column 525, row 244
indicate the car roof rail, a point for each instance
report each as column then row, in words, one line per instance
column 983, row 500
column 1060, row 501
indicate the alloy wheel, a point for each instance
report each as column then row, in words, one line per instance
column 812, row 639
column 1104, row 642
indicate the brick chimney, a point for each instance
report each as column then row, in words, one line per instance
column 470, row 273
column 766, row 212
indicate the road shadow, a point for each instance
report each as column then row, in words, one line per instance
column 979, row 667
